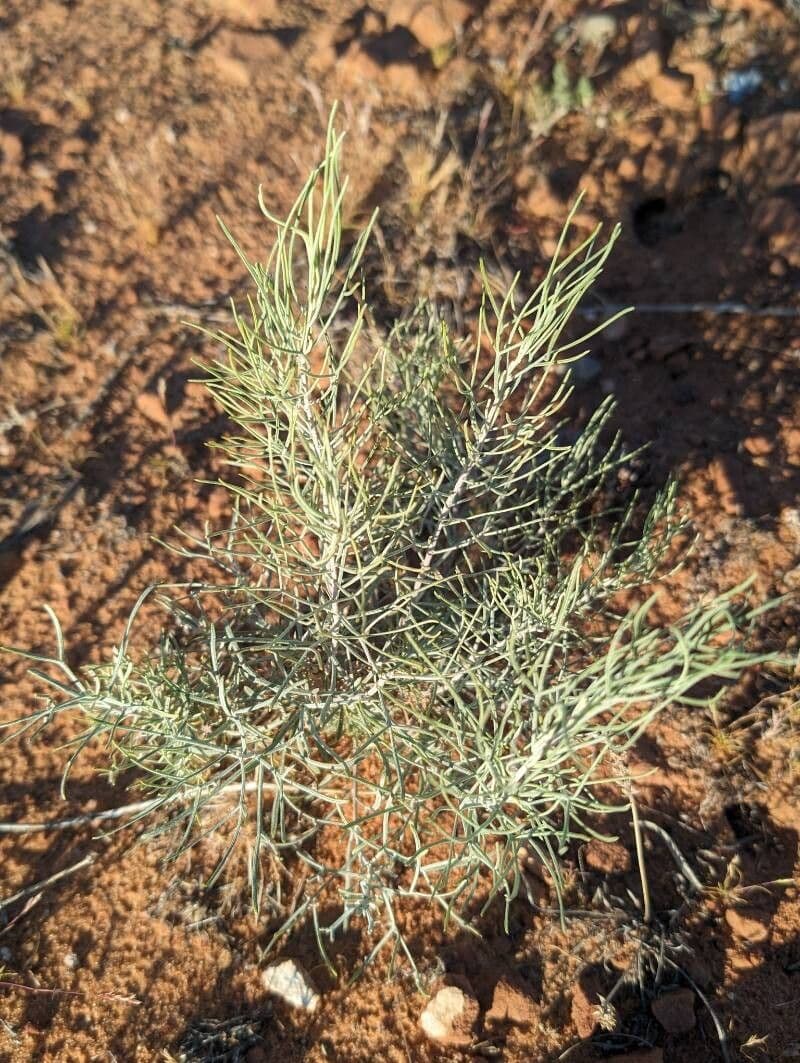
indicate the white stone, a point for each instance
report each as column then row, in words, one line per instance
column 595, row 30
column 450, row 1017
column 290, row 982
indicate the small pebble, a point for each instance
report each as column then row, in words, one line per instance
column 450, row 1017
column 608, row 858
column 290, row 982
column 596, row 30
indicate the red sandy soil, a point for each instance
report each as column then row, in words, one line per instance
column 124, row 130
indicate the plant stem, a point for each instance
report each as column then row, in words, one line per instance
column 647, row 911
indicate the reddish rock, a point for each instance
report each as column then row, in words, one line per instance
column 778, row 267
column 387, row 68
column 511, row 1003
column 627, row 169
column 758, row 445
column 675, row 1010
column 152, row 407
column 608, row 858
column 435, row 23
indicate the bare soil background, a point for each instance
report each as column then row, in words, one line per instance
column 124, row 130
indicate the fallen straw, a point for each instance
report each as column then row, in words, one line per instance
column 37, row 887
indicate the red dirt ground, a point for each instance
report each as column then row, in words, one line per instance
column 124, row 130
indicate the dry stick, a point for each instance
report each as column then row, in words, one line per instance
column 117, row 998
column 723, row 308
column 29, row 904
column 647, row 910
column 78, row 821
column 142, row 807
column 210, row 312
column 37, row 887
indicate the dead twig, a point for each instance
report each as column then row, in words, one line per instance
column 116, row 998
column 136, row 808
column 728, row 308
column 38, row 887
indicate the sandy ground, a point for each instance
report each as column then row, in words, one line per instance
column 124, row 130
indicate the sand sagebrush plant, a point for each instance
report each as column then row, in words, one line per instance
column 414, row 646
